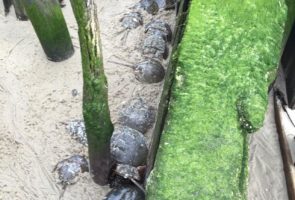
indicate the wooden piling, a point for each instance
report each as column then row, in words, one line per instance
column 50, row 26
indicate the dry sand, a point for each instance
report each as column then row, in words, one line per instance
column 36, row 101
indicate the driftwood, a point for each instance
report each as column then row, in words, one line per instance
column 50, row 26
column 96, row 113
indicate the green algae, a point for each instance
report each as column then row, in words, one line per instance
column 227, row 59
column 98, row 125
column 50, row 27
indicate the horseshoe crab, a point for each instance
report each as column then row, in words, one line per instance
column 128, row 146
column 155, row 46
column 147, row 71
column 150, row 6
column 126, row 175
column 131, row 20
column 159, row 27
column 137, row 115
column 125, row 193
column 69, row 169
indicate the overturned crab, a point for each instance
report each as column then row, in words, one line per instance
column 149, row 71
column 127, row 183
column 126, row 174
column 69, row 169
column 155, row 46
column 128, row 146
column 166, row 4
column 137, row 114
column 130, row 172
column 76, row 128
column 159, row 27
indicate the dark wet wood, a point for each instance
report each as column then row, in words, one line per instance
column 289, row 167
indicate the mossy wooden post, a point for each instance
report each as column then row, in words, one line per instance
column 19, row 10
column 203, row 151
column 50, row 26
column 7, row 4
column 98, row 124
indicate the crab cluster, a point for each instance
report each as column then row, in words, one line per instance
column 155, row 48
column 69, row 169
column 129, row 147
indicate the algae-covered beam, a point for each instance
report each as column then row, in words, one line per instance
column 50, row 26
column 96, row 113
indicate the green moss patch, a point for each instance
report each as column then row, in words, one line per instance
column 227, row 59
